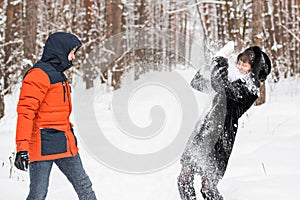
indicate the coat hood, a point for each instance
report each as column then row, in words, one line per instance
column 57, row 48
column 260, row 62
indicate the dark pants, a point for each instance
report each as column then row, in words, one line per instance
column 71, row 167
column 211, row 174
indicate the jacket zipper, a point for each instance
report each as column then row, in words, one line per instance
column 64, row 91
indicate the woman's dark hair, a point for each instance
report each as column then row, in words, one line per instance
column 243, row 57
column 259, row 61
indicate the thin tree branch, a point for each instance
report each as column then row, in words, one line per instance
column 293, row 34
column 196, row 4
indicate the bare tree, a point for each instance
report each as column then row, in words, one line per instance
column 270, row 39
column 236, row 21
column 2, row 53
column 273, row 25
column 30, row 31
column 297, row 35
column 291, row 30
column 257, row 30
column 88, row 68
column 221, row 23
column 114, row 18
column 12, row 45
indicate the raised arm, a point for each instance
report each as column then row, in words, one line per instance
column 239, row 90
column 200, row 83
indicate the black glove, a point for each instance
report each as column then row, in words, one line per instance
column 220, row 61
column 219, row 75
column 22, row 160
column 220, row 69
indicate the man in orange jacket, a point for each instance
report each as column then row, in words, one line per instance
column 44, row 132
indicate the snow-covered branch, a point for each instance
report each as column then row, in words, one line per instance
column 196, row 4
column 11, row 42
column 293, row 34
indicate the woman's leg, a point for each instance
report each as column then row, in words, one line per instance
column 39, row 173
column 185, row 183
column 214, row 172
column 74, row 171
column 209, row 189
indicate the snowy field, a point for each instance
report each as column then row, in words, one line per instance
column 264, row 164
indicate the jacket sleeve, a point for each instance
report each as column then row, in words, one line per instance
column 34, row 89
column 239, row 92
column 200, row 83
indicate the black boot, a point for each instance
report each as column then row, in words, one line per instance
column 186, row 191
column 186, row 185
column 209, row 191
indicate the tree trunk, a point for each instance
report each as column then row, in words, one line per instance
column 244, row 23
column 236, row 24
column 270, row 39
column 1, row 105
column 297, row 27
column 229, row 21
column 202, row 21
column 220, row 24
column 290, row 19
column 114, row 23
column 88, row 71
column 30, row 30
column 142, row 13
column 257, row 29
column 1, row 64
column 207, row 20
column 13, row 36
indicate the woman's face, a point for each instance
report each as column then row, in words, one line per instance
column 244, row 67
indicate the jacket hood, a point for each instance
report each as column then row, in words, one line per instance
column 260, row 62
column 57, row 48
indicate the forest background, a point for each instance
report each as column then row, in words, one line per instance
column 173, row 28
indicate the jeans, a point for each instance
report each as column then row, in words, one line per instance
column 71, row 167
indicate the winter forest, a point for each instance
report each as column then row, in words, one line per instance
column 25, row 25
column 140, row 114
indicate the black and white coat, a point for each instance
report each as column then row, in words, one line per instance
column 211, row 143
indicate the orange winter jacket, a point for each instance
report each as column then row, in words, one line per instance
column 44, row 107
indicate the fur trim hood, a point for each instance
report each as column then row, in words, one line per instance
column 260, row 62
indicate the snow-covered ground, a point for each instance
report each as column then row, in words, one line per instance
column 264, row 164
